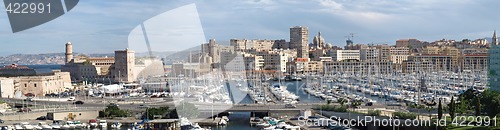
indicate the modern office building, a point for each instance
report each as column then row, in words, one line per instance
column 369, row 53
column 299, row 40
column 357, row 67
column 399, row 54
column 494, row 64
column 258, row 45
column 413, row 66
column 384, row 53
column 275, row 60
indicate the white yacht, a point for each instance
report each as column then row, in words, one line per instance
column 37, row 127
column 44, row 125
column 103, row 124
column 55, row 126
column 116, row 125
column 93, row 123
column 71, row 124
column 18, row 126
column 26, row 125
column 65, row 126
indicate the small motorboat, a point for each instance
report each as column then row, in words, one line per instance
column 18, row 126
column 37, row 127
column 263, row 124
column 71, row 124
column 93, row 123
column 44, row 126
column 116, row 125
column 26, row 125
column 103, row 124
column 55, row 126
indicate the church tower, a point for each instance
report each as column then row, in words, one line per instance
column 494, row 39
column 318, row 41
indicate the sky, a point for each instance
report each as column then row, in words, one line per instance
column 102, row 26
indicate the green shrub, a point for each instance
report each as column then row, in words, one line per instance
column 404, row 115
column 331, row 108
column 374, row 113
column 112, row 110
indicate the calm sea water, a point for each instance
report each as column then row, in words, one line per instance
column 51, row 67
column 241, row 120
column 238, row 121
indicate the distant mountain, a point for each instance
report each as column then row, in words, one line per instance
column 157, row 54
column 42, row 59
column 489, row 39
column 59, row 58
column 180, row 55
column 33, row 59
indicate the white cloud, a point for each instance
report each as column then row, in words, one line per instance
column 354, row 14
column 259, row 2
column 255, row 5
column 331, row 4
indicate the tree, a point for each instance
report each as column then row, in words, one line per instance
column 463, row 106
column 429, row 107
column 477, row 106
column 163, row 111
column 355, row 104
column 451, row 107
column 440, row 110
column 87, row 62
column 112, row 110
column 342, row 101
column 418, row 107
column 491, row 102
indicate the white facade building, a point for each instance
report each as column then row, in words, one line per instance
column 6, row 88
column 340, row 55
column 399, row 54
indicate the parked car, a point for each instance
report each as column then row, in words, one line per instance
column 71, row 99
column 78, row 102
column 24, row 109
column 29, row 95
column 2, row 121
column 29, row 99
column 143, row 106
column 290, row 106
column 41, row 118
column 113, row 104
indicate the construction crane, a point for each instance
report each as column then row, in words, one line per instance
column 350, row 36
